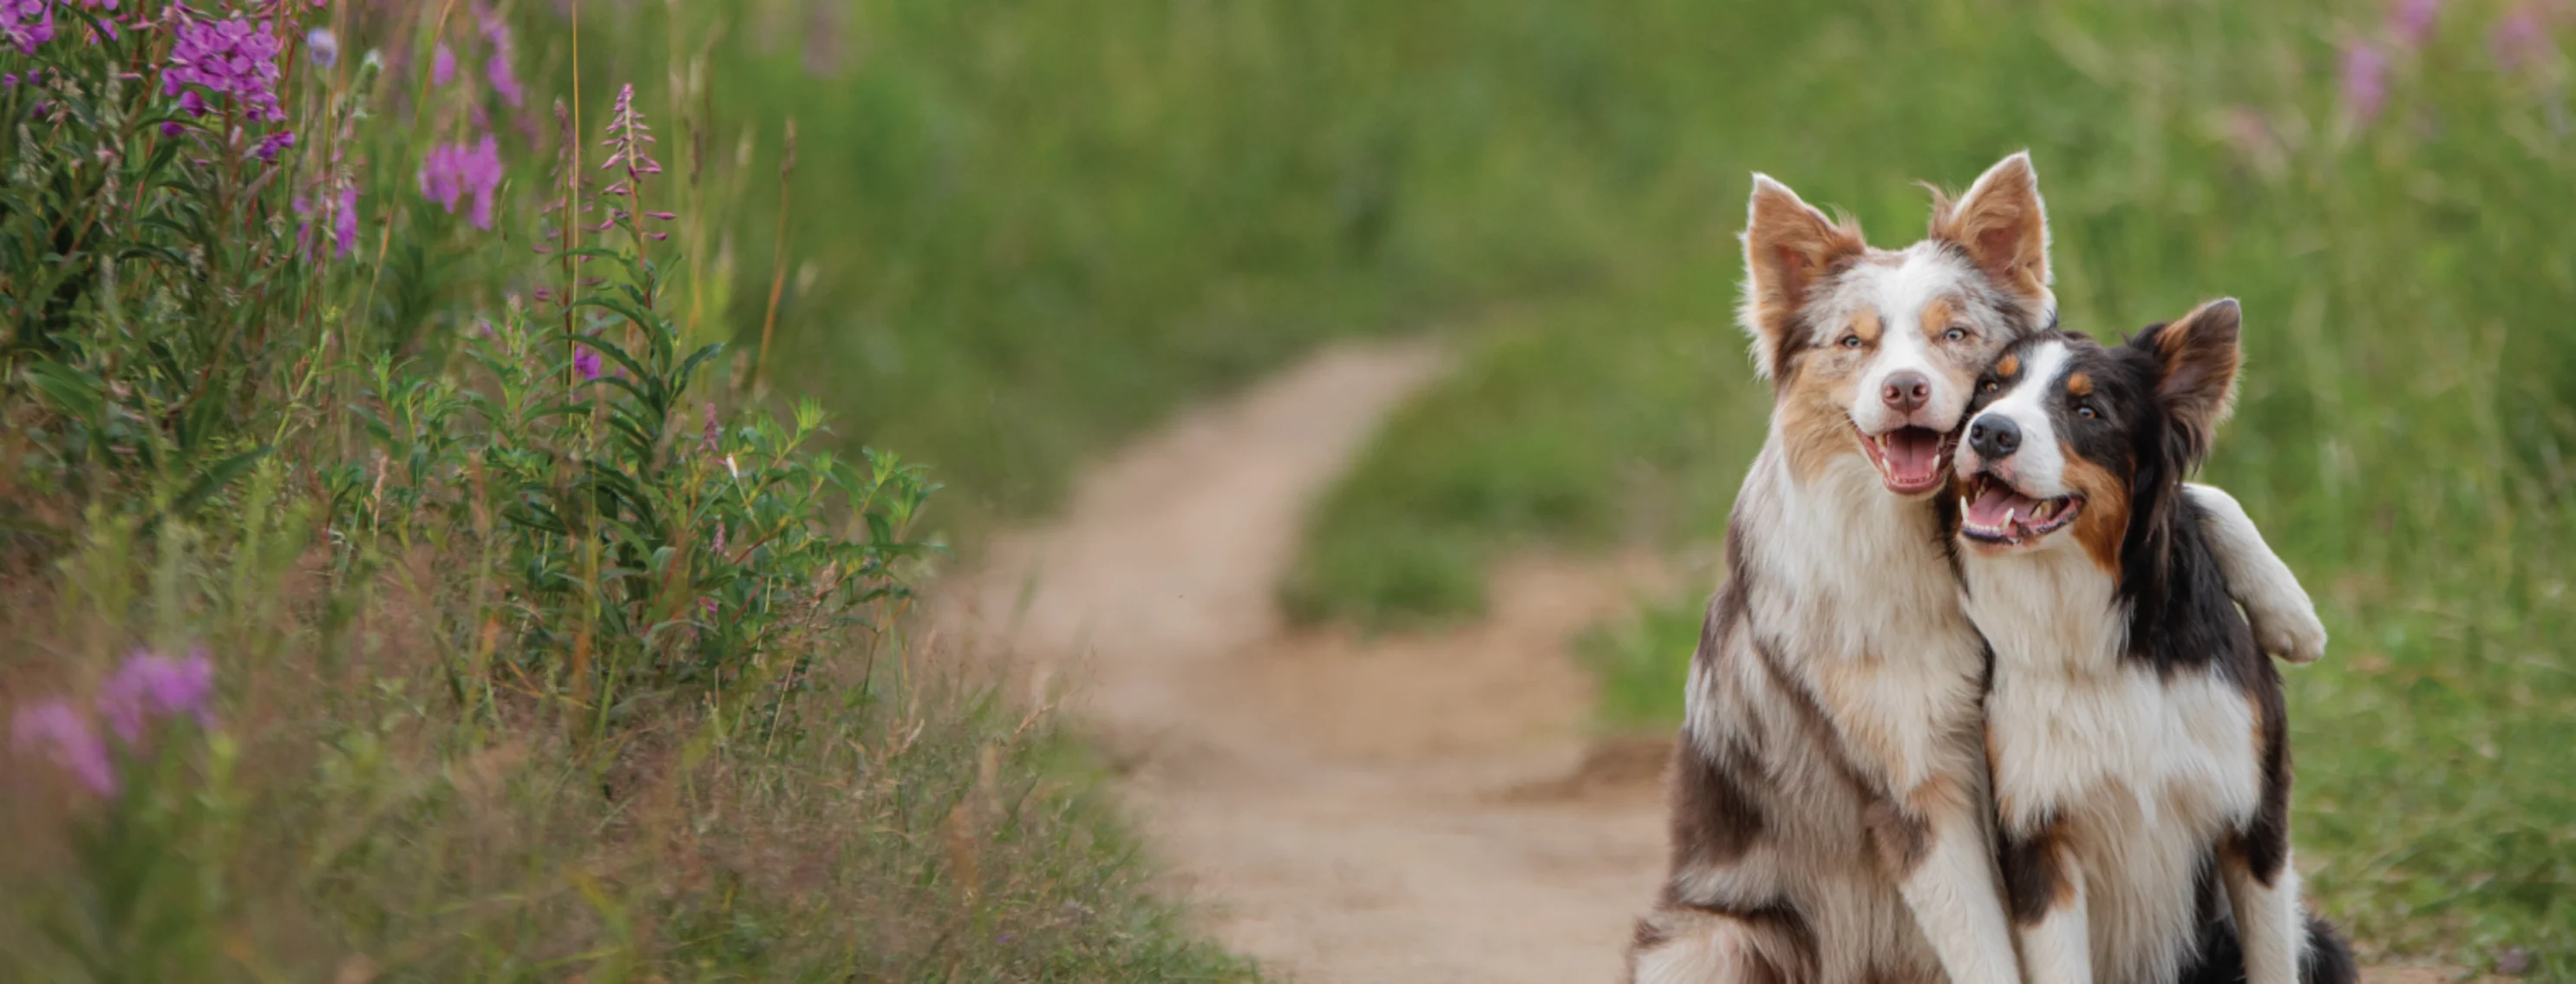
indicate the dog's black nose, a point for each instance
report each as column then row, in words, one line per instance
column 1906, row 392
column 1994, row 437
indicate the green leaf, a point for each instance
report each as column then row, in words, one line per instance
column 213, row 480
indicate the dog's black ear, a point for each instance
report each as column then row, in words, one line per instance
column 2003, row 225
column 2196, row 358
column 1788, row 248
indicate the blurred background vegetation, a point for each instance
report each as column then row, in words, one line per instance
column 1014, row 233
column 1064, row 222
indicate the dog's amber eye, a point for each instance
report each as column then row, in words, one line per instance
column 1993, row 386
column 1851, row 341
column 1956, row 334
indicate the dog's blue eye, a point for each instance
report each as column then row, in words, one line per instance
column 1851, row 341
column 2086, row 413
column 1955, row 334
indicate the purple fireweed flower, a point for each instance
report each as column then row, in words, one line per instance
column 151, row 687
column 497, row 69
column 322, row 47
column 192, row 103
column 233, row 57
column 340, row 209
column 344, row 223
column 504, row 81
column 627, row 139
column 585, row 360
column 715, row 431
column 56, row 730
column 271, row 144
column 2518, row 39
column 2365, row 81
column 451, row 171
column 2410, row 22
column 27, row 23
column 442, row 65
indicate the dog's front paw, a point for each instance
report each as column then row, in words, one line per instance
column 2295, row 636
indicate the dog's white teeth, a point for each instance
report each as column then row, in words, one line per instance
column 2009, row 514
column 1963, row 505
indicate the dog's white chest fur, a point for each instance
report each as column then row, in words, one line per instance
column 2142, row 771
column 1903, row 681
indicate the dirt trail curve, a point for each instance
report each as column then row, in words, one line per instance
column 1344, row 811
column 1416, row 809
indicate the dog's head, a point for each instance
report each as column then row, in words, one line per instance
column 2073, row 442
column 1873, row 352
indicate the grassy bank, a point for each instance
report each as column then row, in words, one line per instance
column 403, row 585
column 2383, row 199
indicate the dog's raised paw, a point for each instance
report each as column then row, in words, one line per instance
column 2297, row 639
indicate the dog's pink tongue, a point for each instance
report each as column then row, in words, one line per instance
column 1997, row 500
column 1913, row 455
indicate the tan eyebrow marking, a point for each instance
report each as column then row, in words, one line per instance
column 2010, row 366
column 2079, row 384
column 1866, row 326
column 1937, row 314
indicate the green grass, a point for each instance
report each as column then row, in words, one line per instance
column 1033, row 229
column 359, row 629
column 344, row 821
column 2402, row 432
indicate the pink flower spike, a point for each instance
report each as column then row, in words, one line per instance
column 2365, row 81
column 344, row 225
column 442, row 65
column 151, row 687
column 2410, row 22
column 2518, row 39
column 59, row 732
column 586, row 362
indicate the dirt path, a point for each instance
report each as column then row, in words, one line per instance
column 1386, row 811
column 1419, row 809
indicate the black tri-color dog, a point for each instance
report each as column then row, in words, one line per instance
column 2141, row 761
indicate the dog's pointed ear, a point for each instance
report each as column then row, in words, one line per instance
column 2003, row 225
column 2197, row 357
column 1788, row 247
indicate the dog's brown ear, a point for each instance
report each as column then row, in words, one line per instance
column 1788, row 248
column 2003, row 225
column 2198, row 356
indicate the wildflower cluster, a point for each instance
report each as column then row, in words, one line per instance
column 148, row 690
column 2518, row 41
column 234, row 57
column 27, row 23
column 452, row 171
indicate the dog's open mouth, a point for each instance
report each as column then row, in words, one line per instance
column 1994, row 512
column 1910, row 460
